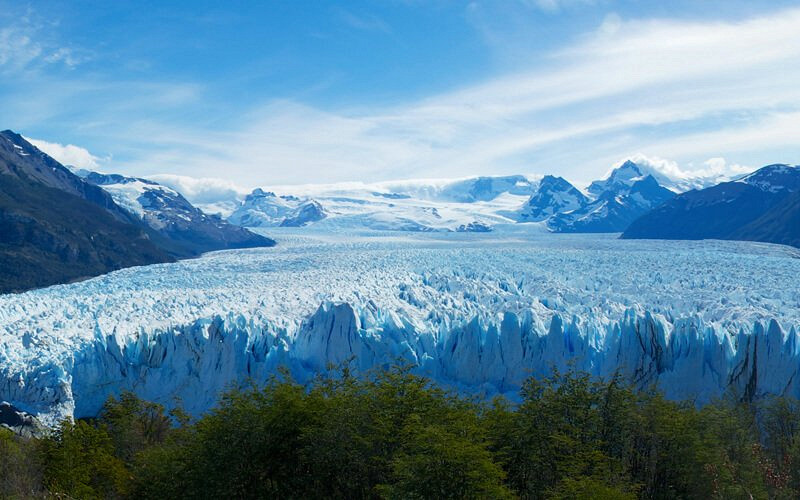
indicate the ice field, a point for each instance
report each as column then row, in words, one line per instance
column 477, row 312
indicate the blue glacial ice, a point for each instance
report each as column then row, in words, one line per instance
column 477, row 312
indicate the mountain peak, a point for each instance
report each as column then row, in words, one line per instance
column 554, row 195
column 621, row 177
column 626, row 172
column 779, row 168
column 260, row 193
column 15, row 139
column 774, row 178
column 8, row 133
column 553, row 180
column 629, row 164
column 666, row 174
column 264, row 209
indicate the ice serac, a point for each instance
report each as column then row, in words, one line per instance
column 193, row 364
column 479, row 318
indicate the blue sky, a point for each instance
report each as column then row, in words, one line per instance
column 282, row 92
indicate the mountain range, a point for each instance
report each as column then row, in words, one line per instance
column 56, row 227
column 187, row 231
column 59, row 224
column 634, row 199
column 762, row 206
column 624, row 196
column 465, row 205
column 475, row 204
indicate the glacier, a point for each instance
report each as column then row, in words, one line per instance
column 468, row 204
column 478, row 312
column 423, row 205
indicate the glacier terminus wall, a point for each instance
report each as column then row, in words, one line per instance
column 476, row 312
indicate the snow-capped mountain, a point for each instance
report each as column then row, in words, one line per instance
column 554, row 195
column 306, row 213
column 146, row 199
column 265, row 209
column 617, row 205
column 188, row 231
column 777, row 178
column 609, row 206
column 620, row 179
column 470, row 190
column 752, row 207
column 480, row 315
column 464, row 205
column 56, row 228
column 477, row 204
column 629, row 171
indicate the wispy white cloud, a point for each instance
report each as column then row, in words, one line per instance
column 201, row 190
column 712, row 168
column 64, row 55
column 770, row 134
column 24, row 43
column 365, row 22
column 68, row 154
column 718, row 166
column 555, row 5
column 16, row 48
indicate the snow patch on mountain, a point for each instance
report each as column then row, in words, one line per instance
column 774, row 178
column 189, row 230
column 135, row 195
